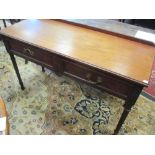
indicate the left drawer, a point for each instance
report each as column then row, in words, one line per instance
column 31, row 52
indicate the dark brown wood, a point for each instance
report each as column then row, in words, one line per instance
column 4, row 22
column 11, row 21
column 121, row 86
column 26, row 61
column 58, row 65
column 125, row 89
column 129, row 103
column 29, row 51
column 43, row 69
column 112, row 84
column 14, row 64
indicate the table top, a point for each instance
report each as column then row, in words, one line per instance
column 112, row 25
column 120, row 56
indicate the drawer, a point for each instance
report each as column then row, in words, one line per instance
column 98, row 79
column 31, row 52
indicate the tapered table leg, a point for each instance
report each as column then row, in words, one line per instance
column 129, row 103
column 121, row 121
column 43, row 69
column 4, row 22
column 16, row 70
column 26, row 61
column 7, row 46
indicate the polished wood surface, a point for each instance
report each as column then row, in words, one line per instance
column 112, row 27
column 117, row 55
column 82, row 54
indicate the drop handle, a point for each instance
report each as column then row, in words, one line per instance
column 99, row 80
column 27, row 50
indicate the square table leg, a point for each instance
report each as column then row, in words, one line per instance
column 14, row 64
column 129, row 103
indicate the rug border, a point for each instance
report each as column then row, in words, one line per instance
column 150, row 97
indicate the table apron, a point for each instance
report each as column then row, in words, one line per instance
column 96, row 77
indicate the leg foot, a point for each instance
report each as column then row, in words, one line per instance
column 4, row 22
column 121, row 121
column 130, row 101
column 43, row 69
column 26, row 61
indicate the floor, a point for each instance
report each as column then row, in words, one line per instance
column 60, row 105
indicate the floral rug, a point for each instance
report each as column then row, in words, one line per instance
column 60, row 105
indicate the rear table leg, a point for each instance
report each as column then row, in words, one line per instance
column 43, row 69
column 7, row 46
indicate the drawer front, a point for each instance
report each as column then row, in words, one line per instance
column 90, row 75
column 31, row 52
column 98, row 79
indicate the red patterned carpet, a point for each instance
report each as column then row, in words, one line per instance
column 150, row 91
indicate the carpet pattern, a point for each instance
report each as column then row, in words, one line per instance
column 61, row 105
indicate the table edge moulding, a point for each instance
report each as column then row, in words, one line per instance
column 112, row 62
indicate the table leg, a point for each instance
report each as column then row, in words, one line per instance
column 4, row 22
column 7, row 46
column 26, row 61
column 16, row 70
column 43, row 69
column 129, row 103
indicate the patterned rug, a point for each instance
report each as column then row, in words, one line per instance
column 61, row 105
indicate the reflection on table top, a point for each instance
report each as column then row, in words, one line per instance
column 120, row 56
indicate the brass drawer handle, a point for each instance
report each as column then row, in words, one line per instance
column 99, row 80
column 27, row 50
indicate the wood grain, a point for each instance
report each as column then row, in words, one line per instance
column 116, row 55
column 111, row 27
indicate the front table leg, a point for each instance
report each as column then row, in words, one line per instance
column 7, row 46
column 16, row 70
column 129, row 103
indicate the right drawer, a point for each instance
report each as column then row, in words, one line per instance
column 97, row 78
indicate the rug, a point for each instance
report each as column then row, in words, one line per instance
column 52, row 105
